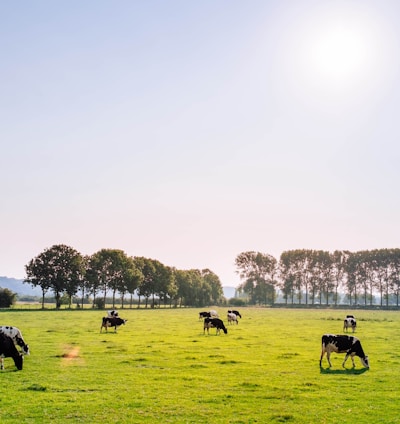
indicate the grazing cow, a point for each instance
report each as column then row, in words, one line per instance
column 213, row 314
column 204, row 315
column 214, row 323
column 112, row 322
column 236, row 313
column 112, row 314
column 8, row 350
column 350, row 321
column 232, row 318
column 16, row 336
column 343, row 344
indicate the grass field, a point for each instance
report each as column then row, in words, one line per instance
column 160, row 367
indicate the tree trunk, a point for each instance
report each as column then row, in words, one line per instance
column 58, row 302
column 113, row 297
column 43, row 293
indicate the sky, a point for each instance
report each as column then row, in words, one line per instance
column 192, row 131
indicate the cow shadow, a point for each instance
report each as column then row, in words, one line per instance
column 344, row 371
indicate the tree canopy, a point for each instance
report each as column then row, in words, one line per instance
column 64, row 271
column 316, row 276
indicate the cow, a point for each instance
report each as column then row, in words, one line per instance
column 232, row 318
column 213, row 314
column 112, row 314
column 112, row 322
column 350, row 321
column 214, row 323
column 204, row 315
column 8, row 350
column 235, row 312
column 16, row 336
column 343, row 344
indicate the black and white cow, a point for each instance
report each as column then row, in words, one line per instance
column 112, row 314
column 204, row 315
column 16, row 336
column 214, row 323
column 348, row 322
column 8, row 350
column 232, row 318
column 210, row 314
column 112, row 322
column 349, row 345
column 235, row 312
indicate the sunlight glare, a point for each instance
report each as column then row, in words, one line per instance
column 340, row 53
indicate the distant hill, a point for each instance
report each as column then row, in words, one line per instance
column 19, row 287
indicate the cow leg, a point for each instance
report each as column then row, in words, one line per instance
column 322, row 355
column 328, row 355
column 2, row 363
column 347, row 357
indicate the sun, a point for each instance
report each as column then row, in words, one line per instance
column 331, row 50
column 339, row 53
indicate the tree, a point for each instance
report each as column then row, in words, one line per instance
column 287, row 275
column 258, row 270
column 166, row 286
column 339, row 259
column 321, row 269
column 395, row 274
column 133, row 278
column 182, row 280
column 84, row 283
column 7, row 298
column 213, row 281
column 147, row 268
column 59, row 268
column 37, row 274
column 108, row 269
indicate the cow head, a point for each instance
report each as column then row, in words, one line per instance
column 19, row 361
column 365, row 361
column 25, row 350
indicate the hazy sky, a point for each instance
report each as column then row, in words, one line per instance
column 191, row 131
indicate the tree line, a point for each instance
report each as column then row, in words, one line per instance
column 317, row 276
column 300, row 276
column 64, row 271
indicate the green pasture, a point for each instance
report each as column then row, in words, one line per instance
column 160, row 367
